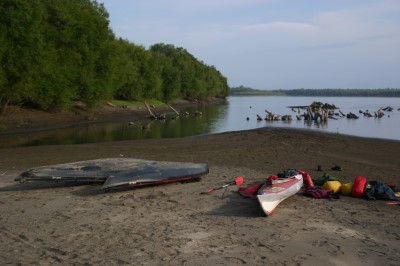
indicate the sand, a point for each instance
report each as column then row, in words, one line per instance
column 58, row 224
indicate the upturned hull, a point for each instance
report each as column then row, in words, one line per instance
column 117, row 172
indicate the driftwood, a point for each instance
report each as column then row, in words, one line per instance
column 380, row 113
column 317, row 115
column 319, row 111
column 294, row 109
column 310, row 114
column 298, row 106
column 173, row 109
column 351, row 115
column 389, row 109
column 367, row 114
column 110, row 104
column 152, row 116
column 319, row 107
column 271, row 116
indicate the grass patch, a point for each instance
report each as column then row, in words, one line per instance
column 154, row 102
column 3, row 127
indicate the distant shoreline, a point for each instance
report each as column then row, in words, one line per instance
column 328, row 92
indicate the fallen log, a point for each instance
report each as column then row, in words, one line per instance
column 299, row 106
column 152, row 116
column 310, row 113
column 388, row 108
column 173, row 109
column 269, row 113
column 367, row 114
column 352, row 116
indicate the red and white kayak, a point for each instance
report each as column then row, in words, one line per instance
column 272, row 193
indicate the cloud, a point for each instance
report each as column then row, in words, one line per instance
column 249, row 45
column 324, row 31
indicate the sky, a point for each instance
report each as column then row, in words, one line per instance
column 274, row 44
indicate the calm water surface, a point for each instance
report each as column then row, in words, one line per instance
column 387, row 127
column 238, row 113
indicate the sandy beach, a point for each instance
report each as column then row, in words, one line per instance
column 58, row 224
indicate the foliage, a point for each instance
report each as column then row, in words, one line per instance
column 241, row 90
column 183, row 76
column 53, row 53
column 344, row 92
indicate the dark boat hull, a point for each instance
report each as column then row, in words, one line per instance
column 117, row 172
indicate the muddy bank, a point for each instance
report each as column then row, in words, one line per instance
column 176, row 225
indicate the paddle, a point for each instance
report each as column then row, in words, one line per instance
column 238, row 181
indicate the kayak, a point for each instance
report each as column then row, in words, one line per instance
column 274, row 192
column 117, row 172
column 156, row 172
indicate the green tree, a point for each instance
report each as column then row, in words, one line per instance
column 135, row 73
column 184, row 76
column 53, row 53
column 20, row 39
column 79, row 32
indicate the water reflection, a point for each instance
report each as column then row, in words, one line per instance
column 315, row 124
column 238, row 113
column 172, row 127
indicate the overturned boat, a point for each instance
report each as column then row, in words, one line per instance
column 117, row 172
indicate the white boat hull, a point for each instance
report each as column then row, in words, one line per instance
column 270, row 195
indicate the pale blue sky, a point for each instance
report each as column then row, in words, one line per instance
column 273, row 44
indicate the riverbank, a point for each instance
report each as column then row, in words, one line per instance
column 176, row 225
column 23, row 120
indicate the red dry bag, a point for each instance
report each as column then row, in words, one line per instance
column 306, row 178
column 359, row 187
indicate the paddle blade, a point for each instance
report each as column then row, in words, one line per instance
column 239, row 180
column 209, row 191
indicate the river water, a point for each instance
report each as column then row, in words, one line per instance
column 387, row 127
column 238, row 113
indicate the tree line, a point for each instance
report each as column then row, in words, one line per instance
column 54, row 53
column 387, row 92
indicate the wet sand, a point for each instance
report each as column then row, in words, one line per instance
column 58, row 224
